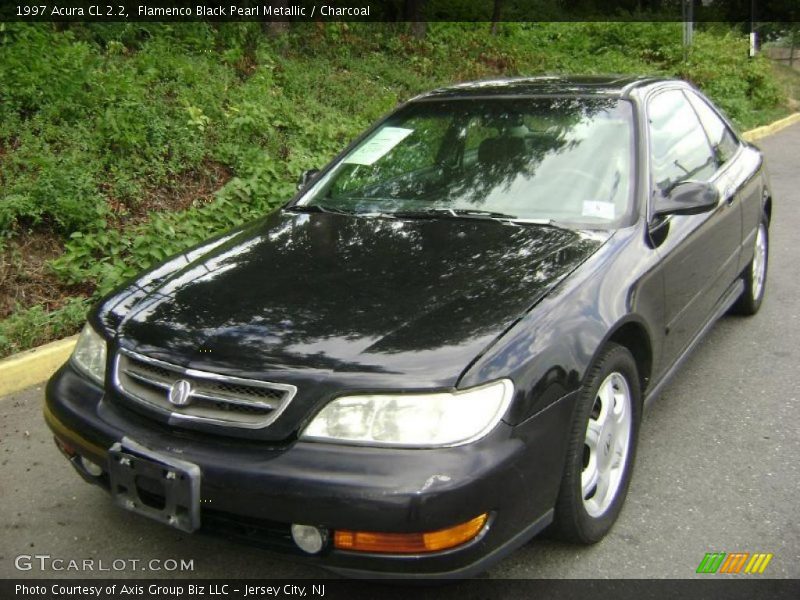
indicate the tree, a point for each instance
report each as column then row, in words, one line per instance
column 498, row 7
column 278, row 25
column 412, row 12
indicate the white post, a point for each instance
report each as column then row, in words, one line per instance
column 688, row 26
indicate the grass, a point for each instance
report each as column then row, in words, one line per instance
column 125, row 143
column 788, row 80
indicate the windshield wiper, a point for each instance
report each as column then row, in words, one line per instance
column 317, row 208
column 469, row 213
column 455, row 213
column 431, row 213
column 545, row 222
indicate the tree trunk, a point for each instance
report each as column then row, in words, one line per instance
column 413, row 14
column 498, row 8
column 274, row 26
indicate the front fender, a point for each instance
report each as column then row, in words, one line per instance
column 548, row 352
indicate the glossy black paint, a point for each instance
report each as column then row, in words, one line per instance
column 600, row 85
column 386, row 299
column 331, row 302
column 690, row 198
column 335, row 304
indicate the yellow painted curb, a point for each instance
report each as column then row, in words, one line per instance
column 765, row 130
column 30, row 367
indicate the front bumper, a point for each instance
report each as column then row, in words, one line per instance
column 254, row 490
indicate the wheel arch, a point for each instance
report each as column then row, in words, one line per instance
column 632, row 334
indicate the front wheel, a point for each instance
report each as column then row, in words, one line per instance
column 755, row 275
column 601, row 449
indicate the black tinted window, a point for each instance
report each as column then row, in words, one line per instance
column 722, row 139
column 679, row 148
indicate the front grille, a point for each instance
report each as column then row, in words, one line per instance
column 212, row 398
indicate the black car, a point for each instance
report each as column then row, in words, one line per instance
column 443, row 344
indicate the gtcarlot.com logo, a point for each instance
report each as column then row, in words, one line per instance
column 46, row 562
column 734, row 562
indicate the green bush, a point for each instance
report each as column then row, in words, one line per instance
column 740, row 86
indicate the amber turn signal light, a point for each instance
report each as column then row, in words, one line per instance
column 409, row 543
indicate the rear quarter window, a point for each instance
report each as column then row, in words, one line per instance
column 723, row 141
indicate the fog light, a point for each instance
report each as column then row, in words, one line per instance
column 309, row 538
column 91, row 468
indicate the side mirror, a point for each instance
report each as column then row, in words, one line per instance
column 688, row 198
column 306, row 176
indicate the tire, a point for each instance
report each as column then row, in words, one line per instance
column 755, row 275
column 602, row 443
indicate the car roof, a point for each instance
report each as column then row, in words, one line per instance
column 578, row 85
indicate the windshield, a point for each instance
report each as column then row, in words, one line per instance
column 566, row 160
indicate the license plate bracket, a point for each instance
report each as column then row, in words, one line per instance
column 155, row 485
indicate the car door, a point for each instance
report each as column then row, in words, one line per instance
column 699, row 253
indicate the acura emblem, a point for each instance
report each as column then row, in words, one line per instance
column 180, row 394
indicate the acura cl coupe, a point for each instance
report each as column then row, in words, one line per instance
column 443, row 344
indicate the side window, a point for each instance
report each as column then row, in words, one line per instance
column 679, row 149
column 722, row 139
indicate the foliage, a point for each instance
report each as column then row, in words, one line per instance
column 32, row 326
column 738, row 87
column 96, row 120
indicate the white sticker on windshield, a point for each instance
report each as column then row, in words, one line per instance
column 596, row 208
column 378, row 145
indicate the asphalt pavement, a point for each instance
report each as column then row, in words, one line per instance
column 717, row 468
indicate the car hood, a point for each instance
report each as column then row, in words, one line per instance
column 390, row 301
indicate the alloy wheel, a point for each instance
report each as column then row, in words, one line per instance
column 607, row 443
column 759, row 271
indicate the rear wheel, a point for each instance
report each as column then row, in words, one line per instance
column 601, row 449
column 755, row 275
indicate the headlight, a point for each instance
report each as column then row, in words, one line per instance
column 413, row 420
column 90, row 354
